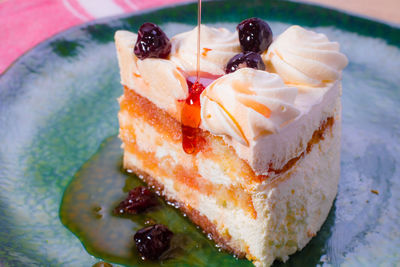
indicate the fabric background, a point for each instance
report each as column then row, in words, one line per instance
column 25, row 23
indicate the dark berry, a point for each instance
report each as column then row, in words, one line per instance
column 152, row 241
column 152, row 42
column 139, row 199
column 254, row 35
column 245, row 60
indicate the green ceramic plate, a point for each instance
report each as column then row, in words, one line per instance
column 58, row 105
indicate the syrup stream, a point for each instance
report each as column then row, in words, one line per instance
column 192, row 138
column 198, row 38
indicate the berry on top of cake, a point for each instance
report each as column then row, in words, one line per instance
column 251, row 150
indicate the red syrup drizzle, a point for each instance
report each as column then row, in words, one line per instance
column 192, row 138
column 191, row 133
column 191, row 118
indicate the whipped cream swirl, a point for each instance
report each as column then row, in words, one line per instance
column 247, row 104
column 216, row 48
column 305, row 57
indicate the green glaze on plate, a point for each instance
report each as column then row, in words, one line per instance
column 87, row 210
column 58, row 105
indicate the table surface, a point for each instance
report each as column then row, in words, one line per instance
column 27, row 23
column 383, row 10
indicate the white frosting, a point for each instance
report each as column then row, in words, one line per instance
column 222, row 43
column 247, row 104
column 263, row 142
column 275, row 150
column 305, row 57
column 164, row 89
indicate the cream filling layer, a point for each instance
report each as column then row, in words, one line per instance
column 169, row 153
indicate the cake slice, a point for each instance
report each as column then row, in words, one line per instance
column 264, row 164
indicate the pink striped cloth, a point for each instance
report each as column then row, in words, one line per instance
column 25, row 23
